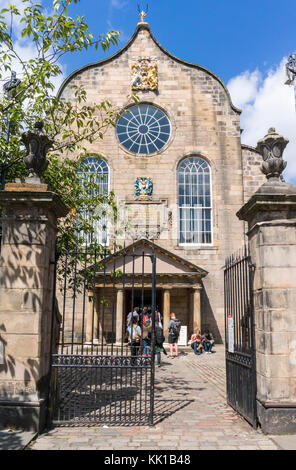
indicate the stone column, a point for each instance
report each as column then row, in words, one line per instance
column 196, row 308
column 166, row 311
column 271, row 217
column 92, row 324
column 119, row 314
column 29, row 224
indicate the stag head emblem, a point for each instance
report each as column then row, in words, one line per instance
column 143, row 13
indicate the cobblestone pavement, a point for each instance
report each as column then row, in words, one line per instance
column 191, row 413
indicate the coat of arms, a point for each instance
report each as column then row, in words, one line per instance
column 143, row 188
column 144, row 74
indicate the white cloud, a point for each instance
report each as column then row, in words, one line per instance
column 267, row 102
column 118, row 4
column 24, row 47
column 244, row 87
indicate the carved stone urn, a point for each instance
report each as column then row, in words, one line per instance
column 271, row 147
column 37, row 145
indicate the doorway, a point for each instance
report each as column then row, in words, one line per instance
column 137, row 299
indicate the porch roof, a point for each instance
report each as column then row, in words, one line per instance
column 136, row 260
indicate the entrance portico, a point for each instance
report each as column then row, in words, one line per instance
column 178, row 287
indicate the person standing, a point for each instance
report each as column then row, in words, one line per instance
column 144, row 314
column 159, row 339
column 174, row 328
column 158, row 321
column 134, row 333
column 133, row 316
column 146, row 336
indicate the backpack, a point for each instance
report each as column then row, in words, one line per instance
column 159, row 338
column 175, row 328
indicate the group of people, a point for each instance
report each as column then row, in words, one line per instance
column 139, row 330
column 200, row 342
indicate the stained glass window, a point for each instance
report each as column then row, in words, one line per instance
column 194, row 202
column 143, row 129
column 98, row 169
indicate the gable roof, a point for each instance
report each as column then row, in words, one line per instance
column 167, row 262
column 127, row 45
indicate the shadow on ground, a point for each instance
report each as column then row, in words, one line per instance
column 165, row 408
column 15, row 440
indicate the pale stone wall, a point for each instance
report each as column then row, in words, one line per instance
column 26, row 302
column 253, row 177
column 272, row 238
column 180, row 305
column 204, row 123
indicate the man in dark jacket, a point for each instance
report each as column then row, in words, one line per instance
column 207, row 341
column 174, row 327
column 159, row 339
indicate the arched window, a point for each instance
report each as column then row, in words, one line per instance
column 194, row 202
column 99, row 169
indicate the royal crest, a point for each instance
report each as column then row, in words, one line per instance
column 143, row 188
column 144, row 74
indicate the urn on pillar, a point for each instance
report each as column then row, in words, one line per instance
column 271, row 147
column 37, row 145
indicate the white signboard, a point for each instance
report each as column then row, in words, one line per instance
column 230, row 330
column 1, row 352
column 182, row 341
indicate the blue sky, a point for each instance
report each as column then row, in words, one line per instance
column 227, row 36
column 245, row 43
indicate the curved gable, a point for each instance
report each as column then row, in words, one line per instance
column 162, row 49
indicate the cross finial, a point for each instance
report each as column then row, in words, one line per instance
column 143, row 13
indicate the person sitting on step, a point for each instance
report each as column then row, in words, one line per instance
column 196, row 343
column 207, row 341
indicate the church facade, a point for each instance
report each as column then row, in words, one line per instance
column 178, row 170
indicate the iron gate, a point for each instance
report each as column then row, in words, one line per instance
column 97, row 375
column 239, row 335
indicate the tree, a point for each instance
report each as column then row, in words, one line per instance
column 70, row 124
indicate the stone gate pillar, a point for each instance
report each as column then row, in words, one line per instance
column 271, row 217
column 26, row 297
column 29, row 227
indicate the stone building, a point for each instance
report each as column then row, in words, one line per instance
column 178, row 170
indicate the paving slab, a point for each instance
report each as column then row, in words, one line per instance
column 285, row 442
column 191, row 412
column 15, row 440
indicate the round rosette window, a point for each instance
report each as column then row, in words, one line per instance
column 143, row 129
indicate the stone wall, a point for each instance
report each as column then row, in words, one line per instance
column 204, row 123
column 26, row 302
column 253, row 177
column 271, row 220
column 180, row 305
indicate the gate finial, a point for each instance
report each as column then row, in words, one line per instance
column 271, row 147
column 37, row 144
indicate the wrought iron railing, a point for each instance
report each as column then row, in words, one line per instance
column 99, row 374
column 239, row 334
